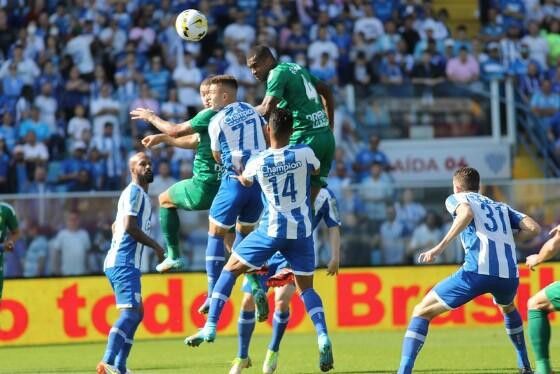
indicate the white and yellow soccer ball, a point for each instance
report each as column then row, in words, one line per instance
column 191, row 25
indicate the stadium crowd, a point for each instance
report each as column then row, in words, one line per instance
column 72, row 70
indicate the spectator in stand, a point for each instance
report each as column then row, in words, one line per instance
column 424, row 43
column 530, row 83
column 385, row 10
column 105, row 109
column 69, row 248
column 520, row 65
column 239, row 34
column 146, row 101
column 390, row 71
column 79, row 47
column 513, row 12
column 493, row 68
column 34, row 152
column 462, row 40
column 76, row 92
column 7, row 34
column 427, row 235
column 390, row 39
column 409, row 34
column 35, row 263
column 323, row 20
column 109, row 146
column 325, row 69
column 172, row 110
column 246, row 82
column 298, row 41
column 369, row 25
column 142, row 34
column 405, row 59
column 409, row 8
column 510, row 45
column 12, row 84
column 322, row 45
column 376, row 115
column 376, row 190
column 7, row 131
column 39, row 185
column 84, row 182
column 24, row 103
column 27, row 69
column 392, row 238
column 537, row 44
column 367, row 157
column 98, row 168
column 5, row 162
column 157, row 78
column 99, row 79
column 48, row 106
column 78, row 124
column 410, row 212
column 552, row 37
column 492, row 31
column 545, row 104
column 163, row 180
column 34, row 123
column 187, row 77
column 463, row 69
column 72, row 166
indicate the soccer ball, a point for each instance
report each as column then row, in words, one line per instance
column 191, row 25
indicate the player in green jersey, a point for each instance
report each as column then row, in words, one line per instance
column 310, row 100
column 9, row 233
column 541, row 304
column 193, row 194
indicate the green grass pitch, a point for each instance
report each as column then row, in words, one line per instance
column 479, row 350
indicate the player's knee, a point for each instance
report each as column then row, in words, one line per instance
column 216, row 230
column 165, row 200
column 247, row 304
column 507, row 308
column 244, row 229
column 536, row 302
column 282, row 305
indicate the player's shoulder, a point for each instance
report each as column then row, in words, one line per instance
column 6, row 208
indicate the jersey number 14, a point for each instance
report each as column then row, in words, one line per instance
column 289, row 189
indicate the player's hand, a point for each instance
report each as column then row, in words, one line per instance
column 429, row 256
column 532, row 261
column 8, row 245
column 332, row 267
column 152, row 140
column 160, row 254
column 142, row 114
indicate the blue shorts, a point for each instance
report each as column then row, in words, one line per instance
column 275, row 264
column 463, row 286
column 125, row 281
column 257, row 248
column 235, row 203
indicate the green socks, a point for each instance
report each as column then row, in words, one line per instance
column 169, row 221
column 253, row 282
column 539, row 333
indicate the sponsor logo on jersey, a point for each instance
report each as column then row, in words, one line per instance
column 280, row 168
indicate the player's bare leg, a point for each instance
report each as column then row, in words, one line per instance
column 314, row 307
column 170, row 225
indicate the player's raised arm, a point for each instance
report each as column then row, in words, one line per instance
column 326, row 93
column 169, row 128
column 548, row 251
column 186, row 142
column 464, row 216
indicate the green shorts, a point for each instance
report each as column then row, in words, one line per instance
column 192, row 194
column 552, row 292
column 322, row 144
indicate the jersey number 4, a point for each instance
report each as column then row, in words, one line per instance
column 310, row 90
column 289, row 189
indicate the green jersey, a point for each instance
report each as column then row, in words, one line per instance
column 295, row 87
column 8, row 221
column 205, row 168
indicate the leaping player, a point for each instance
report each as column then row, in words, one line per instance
column 283, row 172
column 487, row 229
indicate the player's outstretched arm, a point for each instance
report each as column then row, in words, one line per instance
column 187, row 142
column 10, row 241
column 328, row 100
column 132, row 229
column 464, row 216
column 268, row 104
column 528, row 229
column 548, row 251
column 166, row 127
column 334, row 238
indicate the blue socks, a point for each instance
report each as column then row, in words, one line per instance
column 220, row 295
column 279, row 324
column 514, row 329
column 314, row 307
column 245, row 327
column 412, row 343
column 120, row 360
column 238, row 238
column 120, row 334
column 215, row 258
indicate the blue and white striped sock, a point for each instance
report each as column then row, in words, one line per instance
column 221, row 294
column 514, row 329
column 120, row 360
column 413, row 341
column 119, row 334
column 215, row 258
column 245, row 328
column 279, row 324
column 314, row 307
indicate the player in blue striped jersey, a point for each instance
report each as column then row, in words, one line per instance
column 326, row 210
column 236, row 134
column 131, row 232
column 283, row 172
column 486, row 228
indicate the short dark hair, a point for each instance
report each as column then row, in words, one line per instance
column 260, row 52
column 226, row 80
column 281, row 122
column 468, row 178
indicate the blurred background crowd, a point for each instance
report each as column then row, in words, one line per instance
column 71, row 71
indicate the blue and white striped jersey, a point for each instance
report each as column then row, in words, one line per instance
column 284, row 176
column 237, row 132
column 488, row 239
column 326, row 209
column 125, row 251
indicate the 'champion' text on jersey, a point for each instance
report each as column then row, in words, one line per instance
column 284, row 175
column 125, row 251
column 488, row 240
column 237, row 132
